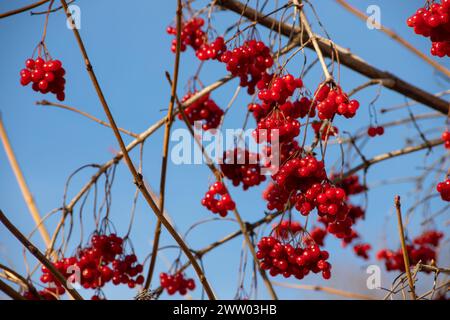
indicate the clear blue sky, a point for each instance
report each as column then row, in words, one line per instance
column 130, row 52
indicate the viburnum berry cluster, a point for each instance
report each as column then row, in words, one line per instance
column 331, row 100
column 276, row 127
column 290, row 261
column 191, row 35
column 242, row 166
column 446, row 137
column 434, row 22
column 423, row 249
column 444, row 189
column 249, row 62
column 218, row 200
column 375, row 131
column 176, row 283
column 362, row 249
column 204, row 109
column 101, row 262
column 212, row 51
column 45, row 75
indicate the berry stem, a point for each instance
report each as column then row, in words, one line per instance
column 169, row 119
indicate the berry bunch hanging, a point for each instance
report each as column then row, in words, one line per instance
column 331, row 100
column 99, row 263
column 218, row 200
column 444, row 189
column 434, row 22
column 176, row 283
column 375, row 131
column 290, row 261
column 212, row 51
column 274, row 126
column 242, row 166
column 249, row 62
column 204, row 109
column 191, row 35
column 45, row 75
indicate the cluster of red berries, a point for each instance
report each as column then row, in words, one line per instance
column 375, row 131
column 328, row 200
column 176, row 282
column 444, row 189
column 296, row 174
column 332, row 101
column 326, row 132
column 290, row 261
column 355, row 212
column 276, row 124
column 191, row 35
column 279, row 89
column 249, row 62
column 287, row 229
column 101, row 262
column 446, row 137
column 204, row 109
column 212, row 51
column 434, row 22
column 46, row 76
column 241, row 165
column 423, row 248
column 362, row 249
column 222, row 204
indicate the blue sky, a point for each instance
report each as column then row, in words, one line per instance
column 130, row 52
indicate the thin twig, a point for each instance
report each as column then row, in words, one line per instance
column 23, row 9
column 13, row 294
column 404, row 250
column 329, row 290
column 87, row 115
column 169, row 117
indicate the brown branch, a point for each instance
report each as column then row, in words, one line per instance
column 169, row 117
column 329, row 290
column 13, row 294
column 395, row 37
column 348, row 59
column 138, row 179
column 23, row 9
column 38, row 255
column 26, row 193
column 87, row 115
column 404, row 250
